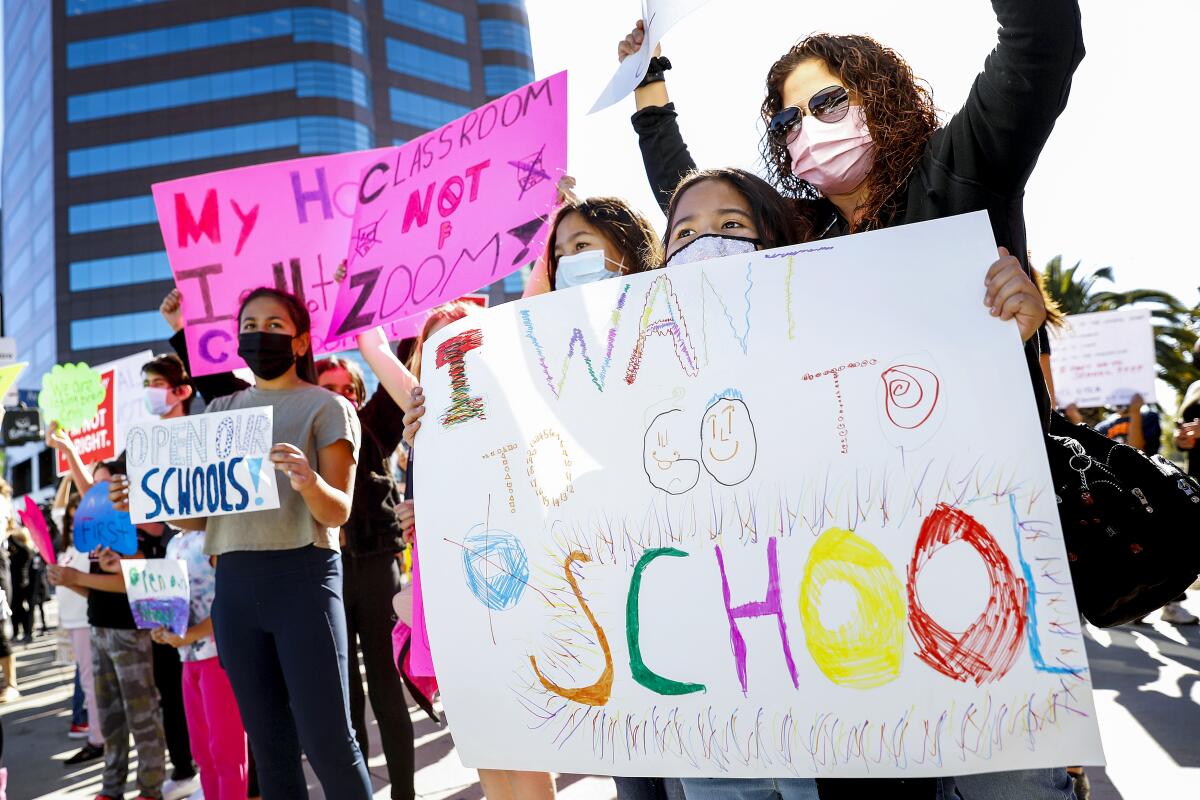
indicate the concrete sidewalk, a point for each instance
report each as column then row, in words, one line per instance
column 36, row 744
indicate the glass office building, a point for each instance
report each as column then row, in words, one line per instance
column 105, row 97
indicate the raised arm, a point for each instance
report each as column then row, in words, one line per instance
column 58, row 439
column 393, row 376
column 664, row 153
column 210, row 387
column 998, row 135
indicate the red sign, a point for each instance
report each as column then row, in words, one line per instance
column 96, row 440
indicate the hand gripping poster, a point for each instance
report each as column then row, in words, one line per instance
column 736, row 518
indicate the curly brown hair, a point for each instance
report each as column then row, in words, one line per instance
column 899, row 110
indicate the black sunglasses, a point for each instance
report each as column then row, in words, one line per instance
column 831, row 104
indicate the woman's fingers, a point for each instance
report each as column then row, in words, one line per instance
column 1013, row 285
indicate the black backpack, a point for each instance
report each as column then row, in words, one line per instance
column 1131, row 524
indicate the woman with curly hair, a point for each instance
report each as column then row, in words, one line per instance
column 854, row 138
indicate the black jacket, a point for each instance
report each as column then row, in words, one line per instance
column 980, row 160
column 372, row 528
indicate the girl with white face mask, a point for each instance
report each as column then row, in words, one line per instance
column 593, row 239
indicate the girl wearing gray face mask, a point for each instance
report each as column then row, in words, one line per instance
column 722, row 212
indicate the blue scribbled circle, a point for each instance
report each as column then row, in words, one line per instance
column 496, row 568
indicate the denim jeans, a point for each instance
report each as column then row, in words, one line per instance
column 79, row 715
column 1027, row 784
column 750, row 788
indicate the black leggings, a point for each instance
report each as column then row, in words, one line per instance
column 281, row 636
column 371, row 582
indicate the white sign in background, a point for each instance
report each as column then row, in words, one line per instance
column 1104, row 358
column 736, row 518
column 8, row 355
column 205, row 465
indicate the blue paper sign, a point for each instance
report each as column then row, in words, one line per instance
column 98, row 524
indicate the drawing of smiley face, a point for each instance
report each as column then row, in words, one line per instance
column 727, row 444
column 667, row 469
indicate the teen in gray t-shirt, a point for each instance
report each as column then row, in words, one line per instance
column 310, row 418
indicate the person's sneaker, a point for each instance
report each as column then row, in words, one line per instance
column 89, row 752
column 1176, row 614
column 199, row 795
column 180, row 788
column 78, row 732
column 10, row 693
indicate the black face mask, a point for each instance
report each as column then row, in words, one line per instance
column 268, row 355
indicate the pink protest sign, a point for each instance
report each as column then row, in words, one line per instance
column 31, row 518
column 456, row 209
column 284, row 225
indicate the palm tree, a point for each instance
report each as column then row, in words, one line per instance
column 1175, row 325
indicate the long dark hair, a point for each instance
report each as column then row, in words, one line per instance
column 626, row 228
column 306, row 369
column 899, row 110
column 773, row 214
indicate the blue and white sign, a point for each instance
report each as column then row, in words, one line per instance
column 202, row 466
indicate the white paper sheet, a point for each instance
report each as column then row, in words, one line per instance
column 660, row 17
column 801, row 426
column 1104, row 358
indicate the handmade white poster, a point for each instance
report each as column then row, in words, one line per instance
column 159, row 593
column 201, row 466
column 1103, row 358
column 736, row 518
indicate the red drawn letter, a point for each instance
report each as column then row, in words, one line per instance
column 462, row 407
column 989, row 646
column 418, row 209
column 209, row 225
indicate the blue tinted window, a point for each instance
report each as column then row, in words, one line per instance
column 19, row 318
column 119, row 271
column 302, row 24
column 500, row 79
column 422, row 111
column 503, row 34
column 118, row 329
column 78, row 7
column 326, row 79
column 307, row 78
column 333, row 135
column 120, row 213
column 310, row 134
column 427, row 17
column 329, row 27
column 421, row 62
column 514, row 282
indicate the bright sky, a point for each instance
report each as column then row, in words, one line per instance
column 1114, row 185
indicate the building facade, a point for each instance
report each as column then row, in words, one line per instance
column 105, row 97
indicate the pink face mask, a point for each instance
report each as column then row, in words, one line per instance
column 835, row 157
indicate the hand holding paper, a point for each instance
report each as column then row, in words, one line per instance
column 658, row 17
